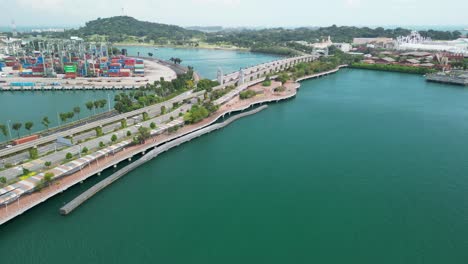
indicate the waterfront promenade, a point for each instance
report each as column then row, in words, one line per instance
column 26, row 202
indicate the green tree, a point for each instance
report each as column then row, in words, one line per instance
column 17, row 127
column 90, row 106
column 48, row 177
column 85, row 150
column 77, row 111
column 45, row 122
column 123, row 123
column 283, row 78
column 129, row 133
column 114, row 138
column 101, row 144
column 4, row 130
column 96, row 105
column 28, row 125
column 145, row 116
column 102, row 103
column 144, row 133
column 63, row 117
column 33, row 153
column 153, row 125
column 163, row 110
column 3, row 180
column 47, row 164
column 99, row 132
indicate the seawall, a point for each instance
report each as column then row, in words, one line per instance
column 68, row 208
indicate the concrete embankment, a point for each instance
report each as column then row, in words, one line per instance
column 321, row 74
column 68, row 208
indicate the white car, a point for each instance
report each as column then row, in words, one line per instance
column 9, row 146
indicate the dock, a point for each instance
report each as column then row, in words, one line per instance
column 75, row 203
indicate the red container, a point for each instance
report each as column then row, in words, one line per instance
column 25, row 139
column 124, row 74
column 70, row 76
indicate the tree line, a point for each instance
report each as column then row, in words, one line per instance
column 45, row 121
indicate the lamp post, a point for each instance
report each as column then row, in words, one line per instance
column 108, row 101
column 9, row 130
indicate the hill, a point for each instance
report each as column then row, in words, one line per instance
column 120, row 28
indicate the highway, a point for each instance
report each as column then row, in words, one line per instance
column 58, row 156
column 45, row 144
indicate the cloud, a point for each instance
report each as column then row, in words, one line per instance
column 353, row 3
column 42, row 5
column 229, row 3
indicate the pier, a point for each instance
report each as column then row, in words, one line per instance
column 75, row 203
column 79, row 170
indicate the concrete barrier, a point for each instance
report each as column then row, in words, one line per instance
column 69, row 207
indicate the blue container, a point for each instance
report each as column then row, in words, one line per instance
column 114, row 70
column 29, row 84
column 40, row 60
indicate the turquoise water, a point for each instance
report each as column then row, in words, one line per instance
column 33, row 106
column 361, row 167
column 205, row 61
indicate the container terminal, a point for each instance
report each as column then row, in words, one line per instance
column 73, row 64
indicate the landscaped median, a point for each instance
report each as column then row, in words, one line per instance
column 12, row 192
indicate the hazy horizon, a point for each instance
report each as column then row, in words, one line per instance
column 238, row 13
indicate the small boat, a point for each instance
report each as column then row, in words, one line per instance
column 155, row 48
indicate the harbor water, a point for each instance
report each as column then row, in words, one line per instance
column 361, row 167
column 34, row 105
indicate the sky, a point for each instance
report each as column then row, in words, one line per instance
column 233, row 13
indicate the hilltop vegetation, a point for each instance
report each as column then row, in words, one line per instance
column 279, row 36
column 120, row 28
column 272, row 40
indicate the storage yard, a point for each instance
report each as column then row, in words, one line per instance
column 74, row 64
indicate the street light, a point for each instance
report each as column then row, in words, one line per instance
column 108, row 101
column 9, row 130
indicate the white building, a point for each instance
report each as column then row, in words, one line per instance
column 416, row 42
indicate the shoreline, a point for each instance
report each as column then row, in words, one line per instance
column 234, row 104
column 88, row 194
column 31, row 200
column 181, row 47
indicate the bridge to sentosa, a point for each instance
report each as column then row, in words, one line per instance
column 243, row 77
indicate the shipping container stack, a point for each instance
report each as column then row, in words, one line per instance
column 70, row 70
column 139, row 68
column 2, row 64
column 114, row 69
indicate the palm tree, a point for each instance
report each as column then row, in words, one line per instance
column 96, row 106
column 102, row 103
column 77, row 111
column 28, row 125
column 90, row 106
column 45, row 121
column 17, row 127
column 63, row 117
column 150, row 54
column 3, row 129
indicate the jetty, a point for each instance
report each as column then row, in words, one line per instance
column 75, row 203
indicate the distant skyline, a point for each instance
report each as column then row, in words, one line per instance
column 238, row 13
